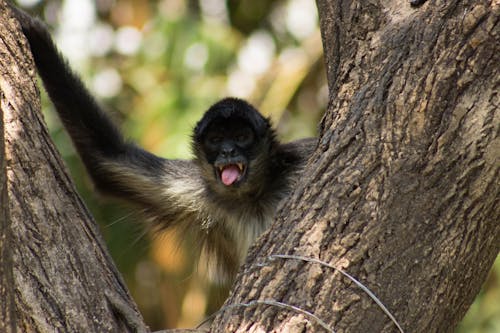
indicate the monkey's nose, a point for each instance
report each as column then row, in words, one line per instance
column 228, row 151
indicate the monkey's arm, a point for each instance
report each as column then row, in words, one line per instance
column 117, row 167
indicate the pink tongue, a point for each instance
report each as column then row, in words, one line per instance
column 230, row 174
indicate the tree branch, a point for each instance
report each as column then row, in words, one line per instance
column 61, row 271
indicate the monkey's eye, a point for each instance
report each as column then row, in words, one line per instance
column 244, row 138
column 214, row 140
column 241, row 137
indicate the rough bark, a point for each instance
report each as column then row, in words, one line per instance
column 402, row 192
column 7, row 323
column 56, row 273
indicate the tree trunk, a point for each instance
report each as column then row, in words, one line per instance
column 7, row 317
column 402, row 191
column 56, row 274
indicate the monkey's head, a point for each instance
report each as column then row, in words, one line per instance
column 232, row 143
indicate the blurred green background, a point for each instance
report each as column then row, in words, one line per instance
column 156, row 66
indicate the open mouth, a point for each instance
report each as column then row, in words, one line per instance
column 231, row 173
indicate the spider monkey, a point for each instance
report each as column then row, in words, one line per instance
column 226, row 195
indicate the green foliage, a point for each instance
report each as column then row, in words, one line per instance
column 484, row 314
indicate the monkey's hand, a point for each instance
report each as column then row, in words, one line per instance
column 38, row 38
column 417, row 3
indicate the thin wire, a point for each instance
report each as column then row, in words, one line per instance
column 359, row 284
column 270, row 303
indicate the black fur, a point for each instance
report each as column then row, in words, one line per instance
column 186, row 193
column 417, row 3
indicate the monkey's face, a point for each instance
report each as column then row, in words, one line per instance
column 232, row 144
column 228, row 147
